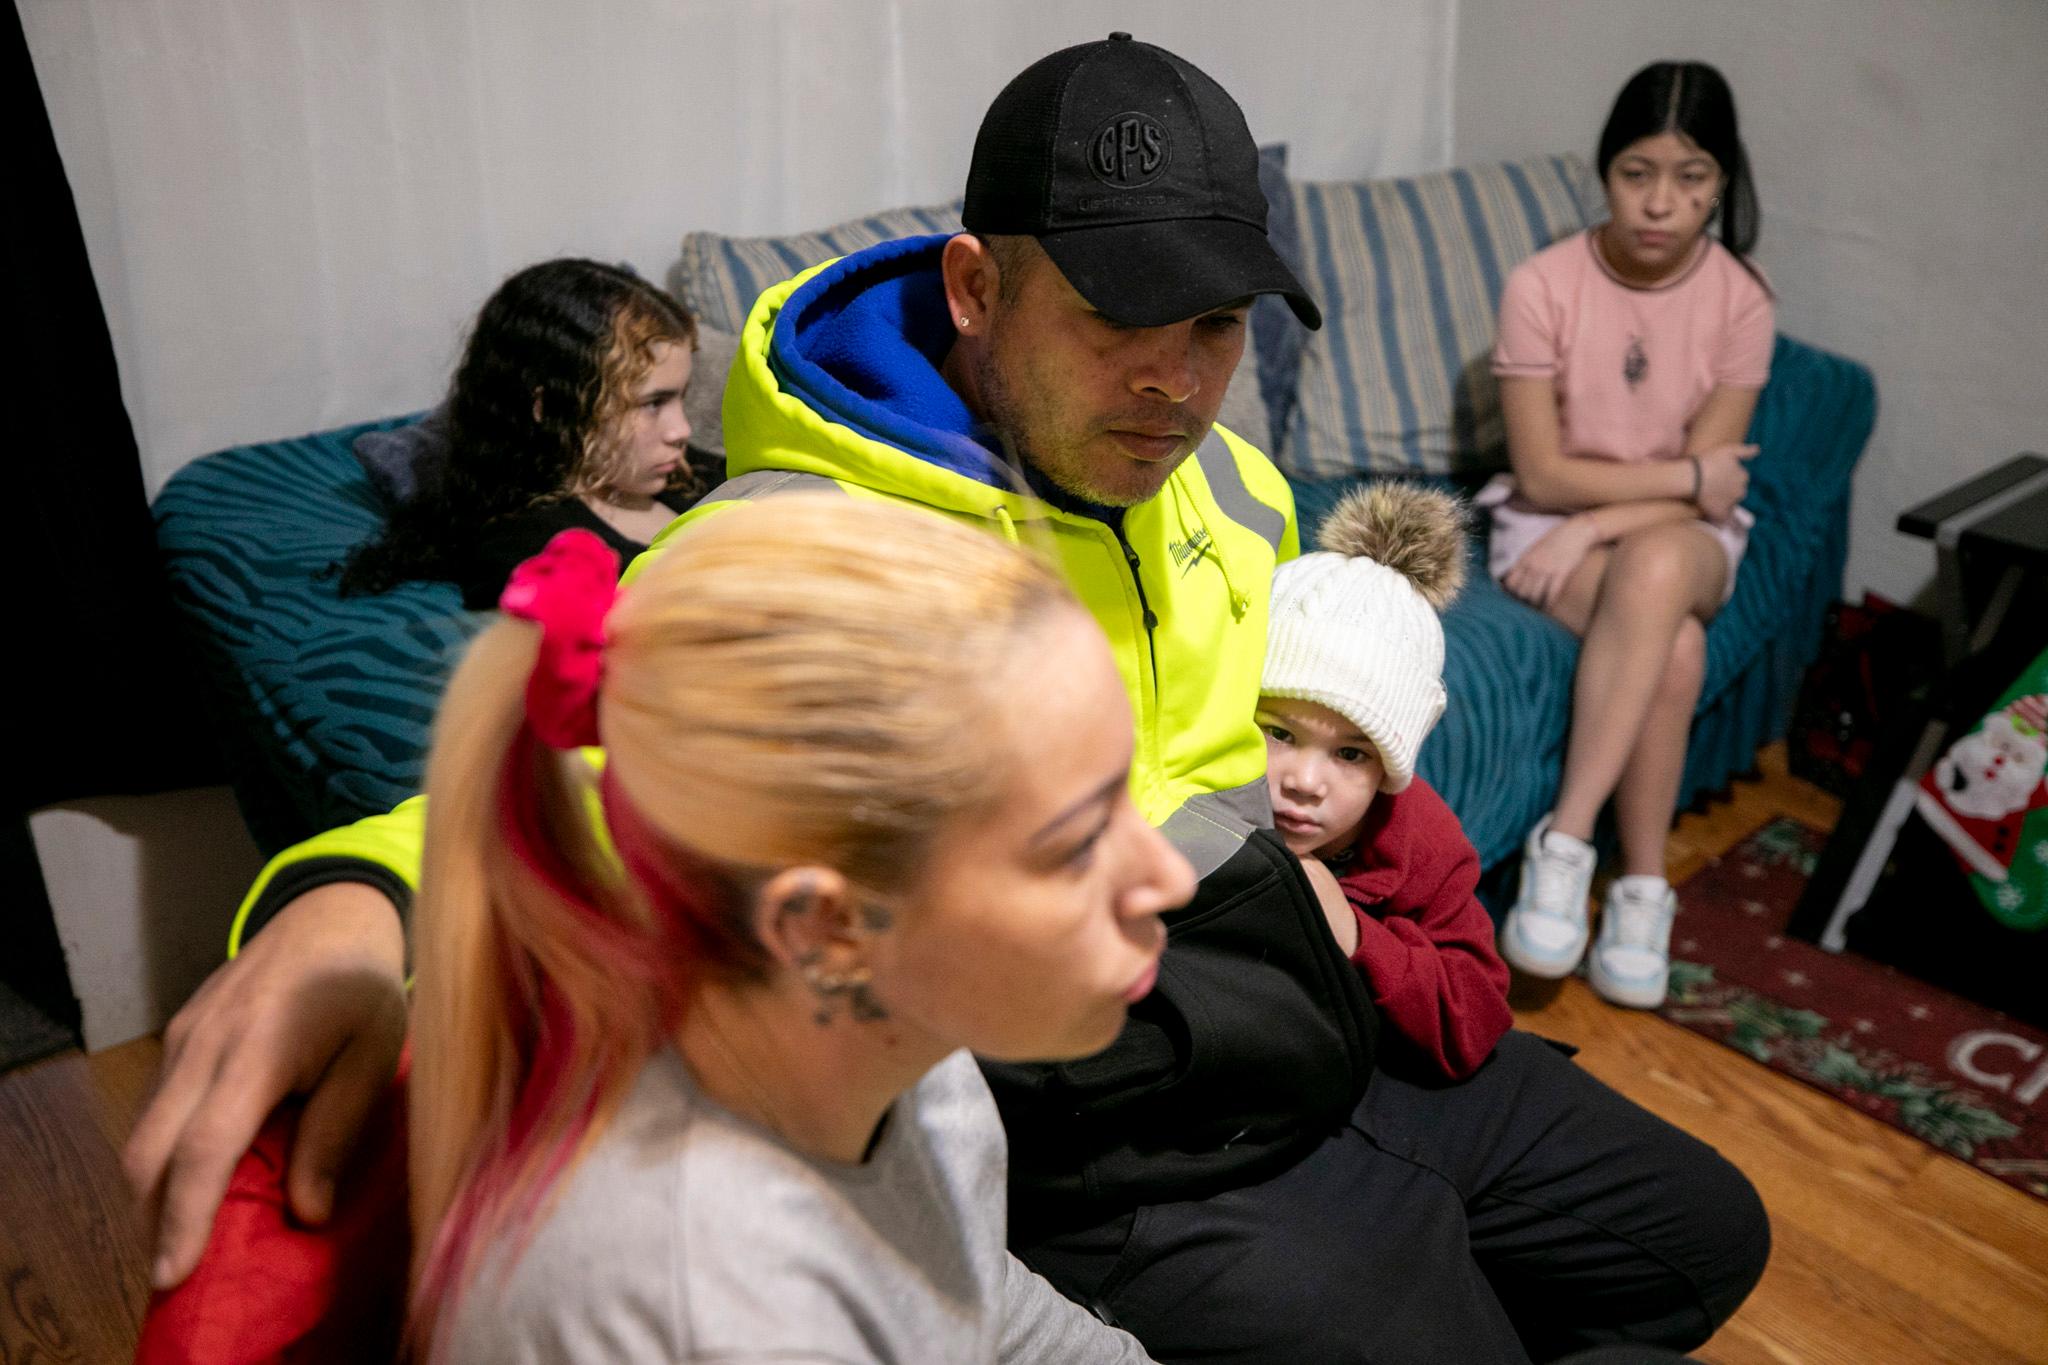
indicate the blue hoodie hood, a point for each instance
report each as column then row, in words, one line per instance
column 861, row 343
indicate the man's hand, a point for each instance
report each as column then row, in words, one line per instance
column 1336, row 909
column 1724, row 479
column 313, row 1005
column 1545, row 567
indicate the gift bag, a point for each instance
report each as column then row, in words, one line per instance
column 1963, row 897
column 1987, row 797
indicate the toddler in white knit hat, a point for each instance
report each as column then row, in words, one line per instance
column 1353, row 684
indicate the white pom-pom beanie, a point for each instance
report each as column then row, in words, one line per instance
column 1349, row 633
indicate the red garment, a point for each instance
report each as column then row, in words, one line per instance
column 268, row 1289
column 1425, row 943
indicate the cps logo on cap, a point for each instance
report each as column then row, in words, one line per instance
column 1129, row 150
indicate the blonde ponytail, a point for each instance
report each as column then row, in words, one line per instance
column 801, row 681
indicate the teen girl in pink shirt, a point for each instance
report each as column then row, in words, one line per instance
column 1630, row 357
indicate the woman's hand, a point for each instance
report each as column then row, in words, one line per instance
column 1336, row 909
column 1545, row 567
column 313, row 1005
column 1724, row 479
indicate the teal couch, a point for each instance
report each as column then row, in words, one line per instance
column 326, row 703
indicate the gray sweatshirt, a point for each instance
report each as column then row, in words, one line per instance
column 687, row 1233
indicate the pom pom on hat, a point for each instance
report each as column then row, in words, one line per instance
column 1417, row 532
column 1354, row 625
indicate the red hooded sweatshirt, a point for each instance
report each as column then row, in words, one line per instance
column 1425, row 943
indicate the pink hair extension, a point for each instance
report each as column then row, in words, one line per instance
column 573, row 1062
column 563, row 1073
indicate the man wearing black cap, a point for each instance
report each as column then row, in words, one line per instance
column 1232, row 1179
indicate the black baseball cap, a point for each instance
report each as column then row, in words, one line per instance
column 1137, row 175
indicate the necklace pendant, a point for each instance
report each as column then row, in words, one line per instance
column 1635, row 364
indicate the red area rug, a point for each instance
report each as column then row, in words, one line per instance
column 1962, row 1078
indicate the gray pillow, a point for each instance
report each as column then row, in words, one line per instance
column 1244, row 405
column 398, row 459
column 1279, row 333
column 719, row 277
column 1409, row 272
column 715, row 351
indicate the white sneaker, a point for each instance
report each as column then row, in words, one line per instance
column 1632, row 961
column 1545, row 934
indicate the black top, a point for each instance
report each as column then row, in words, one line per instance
column 1255, row 1045
column 505, row 544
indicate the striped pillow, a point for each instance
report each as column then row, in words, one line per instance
column 719, row 277
column 1409, row 274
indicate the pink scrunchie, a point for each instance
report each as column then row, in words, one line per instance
column 566, row 589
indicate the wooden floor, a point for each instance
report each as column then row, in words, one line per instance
column 1886, row 1251
column 73, row 1278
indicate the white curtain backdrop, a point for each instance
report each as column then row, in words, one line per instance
column 293, row 206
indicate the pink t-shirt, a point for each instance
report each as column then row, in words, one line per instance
column 1632, row 365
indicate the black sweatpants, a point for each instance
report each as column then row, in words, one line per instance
column 1523, row 1214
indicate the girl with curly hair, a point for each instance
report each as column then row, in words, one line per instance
column 566, row 411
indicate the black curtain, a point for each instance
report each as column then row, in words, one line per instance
column 105, row 699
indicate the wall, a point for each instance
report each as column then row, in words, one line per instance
column 1902, row 163
column 143, row 890
column 293, row 206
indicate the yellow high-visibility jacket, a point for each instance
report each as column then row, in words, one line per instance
column 1179, row 584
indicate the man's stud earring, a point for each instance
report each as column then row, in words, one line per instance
column 964, row 322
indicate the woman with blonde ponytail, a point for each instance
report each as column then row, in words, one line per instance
column 690, row 1045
